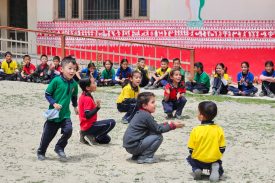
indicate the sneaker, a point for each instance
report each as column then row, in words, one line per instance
column 146, row 160
column 169, row 116
column 124, row 121
column 90, row 139
column 82, row 139
column 62, row 156
column 197, row 174
column 178, row 116
column 262, row 94
column 41, row 157
column 271, row 95
column 134, row 157
column 197, row 91
column 252, row 94
column 215, row 175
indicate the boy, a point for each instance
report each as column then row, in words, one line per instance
column 143, row 135
column 201, row 82
column 60, row 91
column 177, row 65
column 55, row 68
column 41, row 72
column 28, row 69
column 143, row 69
column 9, row 69
column 206, row 143
column 160, row 77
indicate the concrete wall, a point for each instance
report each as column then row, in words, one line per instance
column 45, row 10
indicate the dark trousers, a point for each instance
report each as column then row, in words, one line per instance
column 219, row 87
column 10, row 77
column 144, row 81
column 147, row 147
column 49, row 131
column 190, row 86
column 130, row 107
column 101, row 83
column 27, row 78
column 100, row 130
column 196, row 164
column 160, row 83
column 178, row 105
column 268, row 87
column 236, row 91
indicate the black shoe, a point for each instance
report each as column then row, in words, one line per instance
column 41, row 157
column 169, row 116
column 61, row 154
column 90, row 139
column 134, row 157
column 82, row 139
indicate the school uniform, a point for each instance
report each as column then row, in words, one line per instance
column 123, row 73
column 40, row 75
column 160, row 72
column 144, row 75
column 107, row 74
column 202, row 83
column 55, row 72
column 9, row 70
column 220, row 84
column 268, row 87
column 28, row 71
column 85, row 73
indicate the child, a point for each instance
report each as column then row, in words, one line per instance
column 107, row 75
column 55, row 68
column 123, row 73
column 92, row 131
column 9, row 69
column 201, row 82
column 206, row 143
column 160, row 77
column 220, row 82
column 176, row 65
column 59, row 93
column 268, row 80
column 41, row 72
column 143, row 69
column 89, row 71
column 126, row 101
column 173, row 95
column 245, row 82
column 143, row 135
column 27, row 70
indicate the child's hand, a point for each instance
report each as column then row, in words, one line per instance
column 41, row 74
column 167, row 91
column 98, row 102
column 52, row 66
column 76, row 111
column 178, row 95
column 57, row 106
column 190, row 78
column 178, row 124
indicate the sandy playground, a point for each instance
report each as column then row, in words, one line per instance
column 249, row 128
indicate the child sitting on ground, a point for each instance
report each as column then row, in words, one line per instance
column 143, row 135
column 160, row 77
column 173, row 95
column 143, row 69
column 55, row 68
column 41, row 73
column 206, row 143
column 201, row 82
column 220, row 82
column 9, row 69
column 245, row 82
column 126, row 101
column 123, row 73
column 268, row 80
column 91, row 130
column 27, row 70
column 177, row 65
column 89, row 71
column 108, row 75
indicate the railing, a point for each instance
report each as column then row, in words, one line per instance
column 87, row 48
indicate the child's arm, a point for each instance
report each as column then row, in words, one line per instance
column 266, row 78
column 89, row 113
column 167, row 92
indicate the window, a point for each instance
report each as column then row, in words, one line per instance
column 75, row 8
column 101, row 9
column 61, row 9
column 127, row 8
column 143, row 8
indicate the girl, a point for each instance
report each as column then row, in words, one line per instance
column 220, row 82
column 107, row 75
column 268, row 80
column 126, row 101
column 245, row 82
column 173, row 95
column 123, row 73
column 141, row 67
column 92, row 131
column 90, row 71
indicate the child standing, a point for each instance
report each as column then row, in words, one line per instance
column 173, row 95
column 206, row 143
column 107, row 75
column 126, row 101
column 41, row 72
column 59, row 93
column 9, row 69
column 143, row 69
column 123, row 72
column 143, row 135
column 177, row 65
column 55, row 68
column 268, row 80
column 201, row 82
column 92, row 131
column 28, row 69
column 245, row 82
column 160, row 77
column 220, row 82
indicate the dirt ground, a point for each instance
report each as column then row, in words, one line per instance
column 249, row 130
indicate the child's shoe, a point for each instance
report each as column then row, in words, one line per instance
column 146, row 160
column 215, row 175
column 169, row 116
column 90, row 139
column 197, row 174
column 262, row 94
column 197, row 91
column 41, row 157
column 178, row 116
column 82, row 139
column 271, row 95
column 61, row 154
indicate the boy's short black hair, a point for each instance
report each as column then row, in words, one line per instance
column 208, row 109
column 176, row 59
column 83, row 83
column 67, row 60
column 7, row 53
column 56, row 58
column 43, row 56
column 141, row 59
column 198, row 65
column 26, row 56
column 165, row 60
column 144, row 98
column 91, row 64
